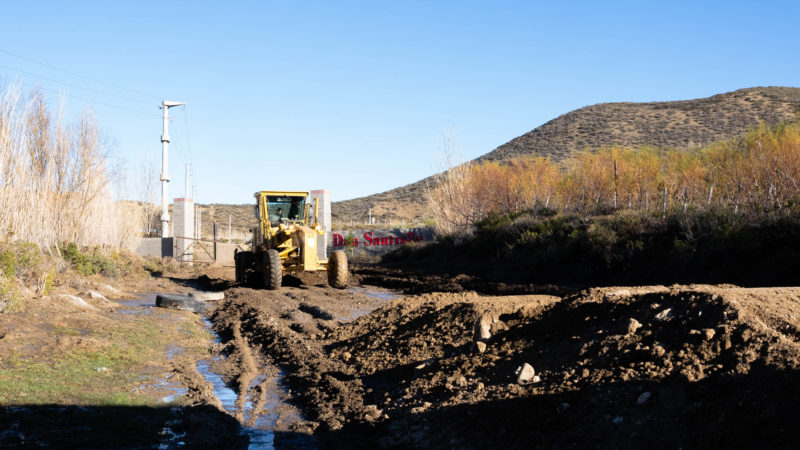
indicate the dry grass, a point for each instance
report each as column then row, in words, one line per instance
column 755, row 174
column 683, row 125
column 55, row 181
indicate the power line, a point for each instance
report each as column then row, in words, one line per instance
column 78, row 75
column 80, row 98
column 178, row 145
column 77, row 86
column 186, row 126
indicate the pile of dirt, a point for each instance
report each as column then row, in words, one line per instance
column 680, row 366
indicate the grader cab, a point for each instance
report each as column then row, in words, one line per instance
column 285, row 241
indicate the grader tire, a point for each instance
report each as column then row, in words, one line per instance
column 337, row 270
column 237, row 261
column 244, row 263
column 271, row 269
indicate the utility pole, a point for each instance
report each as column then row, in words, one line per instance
column 165, row 106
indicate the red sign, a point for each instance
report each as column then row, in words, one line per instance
column 369, row 239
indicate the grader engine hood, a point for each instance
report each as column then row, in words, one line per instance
column 305, row 238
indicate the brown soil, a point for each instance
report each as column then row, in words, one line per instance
column 680, row 366
column 695, row 366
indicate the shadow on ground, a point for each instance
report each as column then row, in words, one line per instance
column 59, row 426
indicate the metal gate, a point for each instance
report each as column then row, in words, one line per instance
column 197, row 250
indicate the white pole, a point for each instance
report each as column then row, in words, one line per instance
column 165, row 105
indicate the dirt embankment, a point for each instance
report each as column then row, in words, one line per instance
column 680, row 366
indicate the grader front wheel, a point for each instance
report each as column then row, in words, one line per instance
column 337, row 270
column 271, row 270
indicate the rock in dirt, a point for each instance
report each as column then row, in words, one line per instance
column 419, row 409
column 525, row 374
column 643, row 398
column 664, row 315
column 207, row 296
column 181, row 302
column 372, row 413
column 94, row 295
column 71, row 300
column 480, row 346
column 633, row 325
column 483, row 327
column 97, row 299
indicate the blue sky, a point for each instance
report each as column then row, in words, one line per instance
column 356, row 96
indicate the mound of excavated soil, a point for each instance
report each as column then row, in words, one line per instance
column 697, row 367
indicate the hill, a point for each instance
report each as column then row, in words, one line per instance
column 684, row 124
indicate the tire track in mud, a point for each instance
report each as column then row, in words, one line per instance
column 247, row 373
column 691, row 366
column 326, row 388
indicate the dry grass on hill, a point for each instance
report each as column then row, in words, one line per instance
column 683, row 124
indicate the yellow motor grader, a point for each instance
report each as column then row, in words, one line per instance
column 284, row 242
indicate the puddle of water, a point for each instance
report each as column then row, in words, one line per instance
column 372, row 293
column 173, row 351
column 143, row 304
column 379, row 297
column 260, row 437
column 261, row 432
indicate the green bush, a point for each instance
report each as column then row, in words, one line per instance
column 627, row 247
column 8, row 263
column 95, row 260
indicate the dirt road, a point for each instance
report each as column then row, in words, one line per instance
column 628, row 367
column 451, row 362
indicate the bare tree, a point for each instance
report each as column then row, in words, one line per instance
column 450, row 196
column 148, row 196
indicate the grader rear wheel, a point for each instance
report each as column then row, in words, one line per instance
column 271, row 270
column 239, row 269
column 244, row 262
column 337, row 270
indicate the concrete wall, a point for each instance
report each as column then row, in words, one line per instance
column 162, row 248
column 225, row 252
column 323, row 217
column 370, row 245
column 155, row 247
column 183, row 210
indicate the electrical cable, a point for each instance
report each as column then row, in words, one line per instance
column 77, row 74
column 188, row 140
column 77, row 86
column 9, row 80
column 176, row 142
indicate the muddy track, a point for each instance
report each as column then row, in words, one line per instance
column 680, row 366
